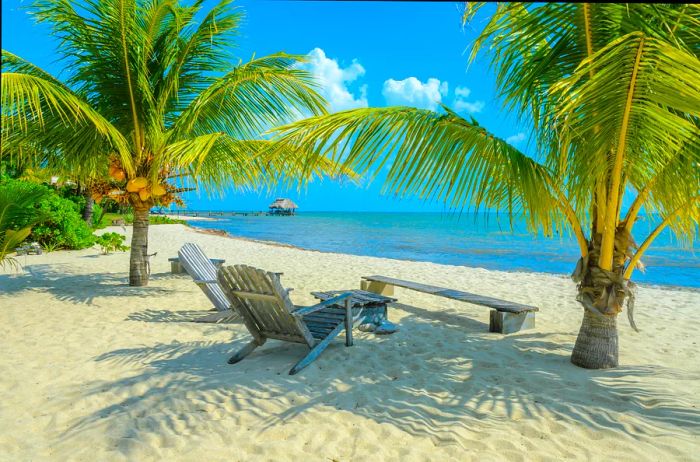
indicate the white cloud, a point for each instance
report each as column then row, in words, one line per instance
column 470, row 107
column 413, row 92
column 335, row 80
column 515, row 139
column 464, row 92
column 461, row 104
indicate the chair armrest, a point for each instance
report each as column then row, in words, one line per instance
column 319, row 306
column 205, row 281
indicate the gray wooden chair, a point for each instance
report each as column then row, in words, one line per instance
column 268, row 312
column 203, row 271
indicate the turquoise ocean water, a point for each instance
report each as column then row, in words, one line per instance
column 467, row 240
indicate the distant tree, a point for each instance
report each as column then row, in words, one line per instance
column 613, row 94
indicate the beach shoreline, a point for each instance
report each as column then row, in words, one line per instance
column 226, row 234
column 127, row 369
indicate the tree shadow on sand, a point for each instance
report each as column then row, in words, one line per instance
column 65, row 285
column 427, row 388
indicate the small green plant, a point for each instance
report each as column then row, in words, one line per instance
column 51, row 246
column 111, row 242
column 163, row 220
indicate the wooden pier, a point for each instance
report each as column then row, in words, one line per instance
column 211, row 213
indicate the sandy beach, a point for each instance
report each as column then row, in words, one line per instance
column 96, row 370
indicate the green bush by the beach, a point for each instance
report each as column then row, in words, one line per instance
column 111, row 242
column 63, row 227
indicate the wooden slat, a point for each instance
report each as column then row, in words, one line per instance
column 289, row 307
column 316, row 327
column 275, row 309
column 324, row 317
column 326, row 303
column 260, row 309
column 228, row 282
column 285, row 337
column 255, row 296
column 500, row 305
column 322, row 322
column 197, row 265
column 253, row 307
column 268, row 304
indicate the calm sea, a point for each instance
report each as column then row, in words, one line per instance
column 467, row 240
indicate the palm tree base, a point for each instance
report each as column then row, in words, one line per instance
column 597, row 344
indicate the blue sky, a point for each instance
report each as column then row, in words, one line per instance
column 365, row 53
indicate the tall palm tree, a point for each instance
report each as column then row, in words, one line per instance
column 612, row 92
column 151, row 95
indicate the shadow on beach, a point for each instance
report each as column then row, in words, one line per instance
column 413, row 380
column 77, row 288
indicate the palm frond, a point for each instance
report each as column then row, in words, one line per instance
column 31, row 104
column 443, row 157
column 253, row 98
column 256, row 164
column 17, row 205
column 647, row 127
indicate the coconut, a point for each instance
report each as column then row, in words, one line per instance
column 158, row 190
column 144, row 194
column 118, row 174
column 136, row 184
column 112, row 169
column 97, row 197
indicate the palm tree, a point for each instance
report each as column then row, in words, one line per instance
column 613, row 95
column 152, row 100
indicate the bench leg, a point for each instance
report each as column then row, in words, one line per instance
column 377, row 287
column 504, row 322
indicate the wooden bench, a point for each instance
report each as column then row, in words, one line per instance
column 176, row 266
column 505, row 318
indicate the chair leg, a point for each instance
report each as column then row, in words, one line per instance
column 245, row 351
column 316, row 350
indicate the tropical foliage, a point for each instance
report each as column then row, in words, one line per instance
column 18, row 213
column 152, row 104
column 61, row 226
column 612, row 92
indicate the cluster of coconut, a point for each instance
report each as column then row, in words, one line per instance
column 140, row 186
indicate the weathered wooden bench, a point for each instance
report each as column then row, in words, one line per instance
column 505, row 318
column 177, row 268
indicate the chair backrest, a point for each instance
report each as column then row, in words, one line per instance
column 198, row 266
column 263, row 303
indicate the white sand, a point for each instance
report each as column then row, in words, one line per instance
column 95, row 370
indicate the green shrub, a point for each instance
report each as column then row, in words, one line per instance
column 63, row 226
column 111, row 242
column 162, row 220
column 18, row 212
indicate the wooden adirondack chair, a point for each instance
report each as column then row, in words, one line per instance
column 203, row 271
column 268, row 312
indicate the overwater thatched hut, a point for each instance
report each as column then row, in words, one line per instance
column 283, row 206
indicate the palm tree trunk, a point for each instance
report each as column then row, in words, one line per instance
column 87, row 211
column 596, row 345
column 138, row 269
